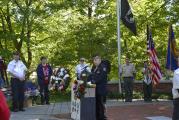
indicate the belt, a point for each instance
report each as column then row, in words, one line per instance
column 14, row 78
column 128, row 77
column 176, row 99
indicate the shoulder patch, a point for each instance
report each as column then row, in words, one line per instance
column 104, row 69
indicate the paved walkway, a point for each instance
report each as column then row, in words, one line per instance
column 141, row 111
column 116, row 110
column 44, row 112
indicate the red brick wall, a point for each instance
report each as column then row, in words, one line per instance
column 163, row 87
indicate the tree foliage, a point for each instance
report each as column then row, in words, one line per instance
column 65, row 30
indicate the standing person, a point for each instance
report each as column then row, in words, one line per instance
column 3, row 74
column 4, row 109
column 99, row 77
column 81, row 67
column 128, row 73
column 44, row 73
column 147, row 83
column 175, row 92
column 17, row 70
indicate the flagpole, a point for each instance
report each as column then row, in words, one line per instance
column 119, row 41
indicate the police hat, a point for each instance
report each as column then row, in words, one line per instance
column 96, row 56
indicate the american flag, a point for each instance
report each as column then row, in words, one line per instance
column 156, row 74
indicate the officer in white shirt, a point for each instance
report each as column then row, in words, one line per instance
column 81, row 67
column 17, row 69
column 147, row 83
column 175, row 92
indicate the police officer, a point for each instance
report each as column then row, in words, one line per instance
column 147, row 83
column 128, row 73
column 99, row 77
column 81, row 67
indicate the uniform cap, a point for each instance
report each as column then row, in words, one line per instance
column 82, row 59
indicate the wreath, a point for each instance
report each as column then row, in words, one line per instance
column 60, row 79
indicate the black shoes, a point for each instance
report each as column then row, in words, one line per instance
column 22, row 109
column 148, row 100
column 43, row 103
column 47, row 103
column 15, row 110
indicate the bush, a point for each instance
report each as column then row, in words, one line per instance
column 56, row 96
column 139, row 95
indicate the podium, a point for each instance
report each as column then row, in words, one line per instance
column 84, row 108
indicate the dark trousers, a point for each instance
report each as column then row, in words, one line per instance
column 175, row 109
column 44, row 93
column 147, row 91
column 17, row 87
column 2, row 81
column 128, row 88
column 105, row 107
column 100, row 107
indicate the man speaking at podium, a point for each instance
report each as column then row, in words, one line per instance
column 99, row 77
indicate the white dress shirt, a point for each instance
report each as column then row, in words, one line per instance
column 17, row 68
column 147, row 76
column 80, row 67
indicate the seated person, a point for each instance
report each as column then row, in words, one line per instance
column 32, row 90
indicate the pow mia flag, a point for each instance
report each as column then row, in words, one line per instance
column 127, row 16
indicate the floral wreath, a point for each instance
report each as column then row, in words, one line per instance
column 61, row 79
column 79, row 89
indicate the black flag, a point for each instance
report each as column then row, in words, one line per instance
column 127, row 16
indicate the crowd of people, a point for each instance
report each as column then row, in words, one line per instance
column 97, row 74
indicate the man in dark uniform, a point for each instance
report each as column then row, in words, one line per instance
column 99, row 77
